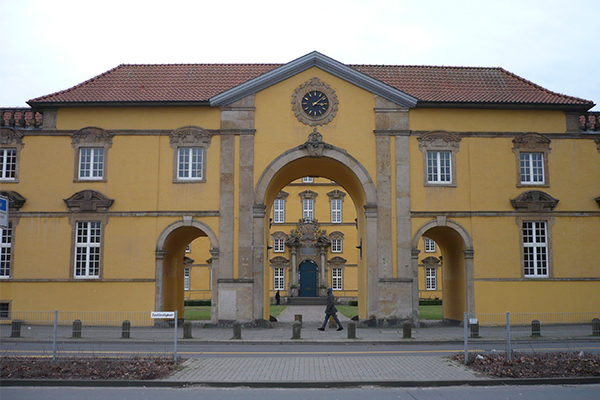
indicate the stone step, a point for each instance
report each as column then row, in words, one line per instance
column 307, row 301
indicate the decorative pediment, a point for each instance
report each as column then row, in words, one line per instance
column 431, row 261
column 337, row 261
column 190, row 135
column 279, row 260
column 9, row 136
column 187, row 261
column 91, row 135
column 88, row 200
column 15, row 200
column 315, row 144
column 439, row 139
column 534, row 200
column 531, row 141
column 597, row 199
column 336, row 194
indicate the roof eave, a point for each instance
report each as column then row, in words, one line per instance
column 56, row 104
column 507, row 106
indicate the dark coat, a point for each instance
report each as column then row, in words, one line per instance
column 330, row 304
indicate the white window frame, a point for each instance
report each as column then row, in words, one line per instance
column 308, row 209
column 336, row 211
column 430, row 278
column 439, row 166
column 8, row 164
column 308, row 179
column 279, row 211
column 439, row 170
column 337, row 278
column 88, row 249
column 337, row 245
column 531, row 168
column 6, row 251
column 190, row 163
column 278, row 245
column 430, row 245
column 535, row 253
column 186, row 278
column 278, row 278
column 91, row 164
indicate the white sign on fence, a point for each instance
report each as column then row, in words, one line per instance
column 162, row 314
column 3, row 212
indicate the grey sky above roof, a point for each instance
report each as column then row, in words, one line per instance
column 52, row 46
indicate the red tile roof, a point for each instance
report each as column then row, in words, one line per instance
column 197, row 83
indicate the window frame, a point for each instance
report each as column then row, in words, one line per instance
column 337, row 282
column 6, row 314
column 430, row 278
column 6, row 248
column 278, row 245
column 439, row 142
column 308, row 179
column 91, row 138
column 528, row 143
column 11, row 140
column 74, row 221
column 93, row 164
column 337, row 237
column 531, row 168
column 190, row 164
column 547, row 246
column 279, row 211
column 278, row 278
column 189, row 138
column 427, row 245
column 187, row 278
column 4, row 163
column 308, row 209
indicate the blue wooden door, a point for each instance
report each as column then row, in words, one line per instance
column 308, row 279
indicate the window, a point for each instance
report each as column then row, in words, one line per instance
column 186, row 278
column 278, row 245
column 336, row 211
column 308, row 179
column 438, row 167
column 535, row 249
column 337, row 278
column 87, row 249
column 531, row 167
column 336, row 245
column 279, row 279
column 91, row 152
column 429, row 245
column 5, row 251
column 5, row 310
column 8, row 164
column 430, row 278
column 190, row 165
column 188, row 249
column 279, row 211
column 91, row 163
column 308, row 209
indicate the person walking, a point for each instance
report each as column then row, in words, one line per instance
column 278, row 298
column 331, row 311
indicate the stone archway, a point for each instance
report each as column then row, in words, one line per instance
column 348, row 172
column 456, row 243
column 171, row 242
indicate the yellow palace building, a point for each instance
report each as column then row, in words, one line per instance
column 151, row 184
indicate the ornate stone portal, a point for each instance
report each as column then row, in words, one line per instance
column 308, row 242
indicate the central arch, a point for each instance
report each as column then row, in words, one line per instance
column 317, row 159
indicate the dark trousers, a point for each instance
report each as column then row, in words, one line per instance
column 335, row 318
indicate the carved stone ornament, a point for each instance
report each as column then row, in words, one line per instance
column 91, row 135
column 337, row 260
column 88, row 200
column 15, row 200
column 308, row 234
column 431, row 261
column 311, row 85
column 336, row 194
column 534, row 200
column 531, row 141
column 438, row 139
column 9, row 136
column 187, row 261
column 597, row 200
column 190, row 135
column 279, row 260
column 315, row 144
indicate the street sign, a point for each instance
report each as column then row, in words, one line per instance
column 3, row 212
column 162, row 314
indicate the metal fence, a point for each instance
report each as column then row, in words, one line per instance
column 509, row 327
column 90, row 333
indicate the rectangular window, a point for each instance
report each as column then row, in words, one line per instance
column 5, row 310
column 279, row 279
column 279, row 211
column 307, row 179
column 190, row 163
column 535, row 249
column 8, row 164
column 91, row 163
column 5, row 251
column 531, row 168
column 186, row 279
column 337, row 279
column 336, row 245
column 278, row 245
column 430, row 278
column 336, row 211
column 87, row 249
column 308, row 209
column 439, row 168
column 188, row 249
column 429, row 246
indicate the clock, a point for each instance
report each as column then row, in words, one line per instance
column 315, row 103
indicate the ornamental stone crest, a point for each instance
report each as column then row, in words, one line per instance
column 308, row 234
column 531, row 141
column 91, row 135
column 15, row 200
column 337, row 260
column 534, row 200
column 190, row 135
column 88, row 200
column 438, row 139
column 9, row 136
column 315, row 144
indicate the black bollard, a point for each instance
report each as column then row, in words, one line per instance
column 237, row 330
column 536, row 328
column 187, row 330
column 406, row 330
column 126, row 330
column 296, row 330
column 596, row 327
column 77, row 329
column 352, row 330
column 15, row 328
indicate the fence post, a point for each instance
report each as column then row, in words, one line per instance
column 508, row 349
column 55, row 335
column 175, row 334
column 466, row 334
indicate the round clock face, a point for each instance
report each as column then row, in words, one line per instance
column 315, row 103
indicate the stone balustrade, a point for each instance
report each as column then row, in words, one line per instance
column 589, row 122
column 21, row 118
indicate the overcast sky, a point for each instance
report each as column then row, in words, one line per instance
column 47, row 46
